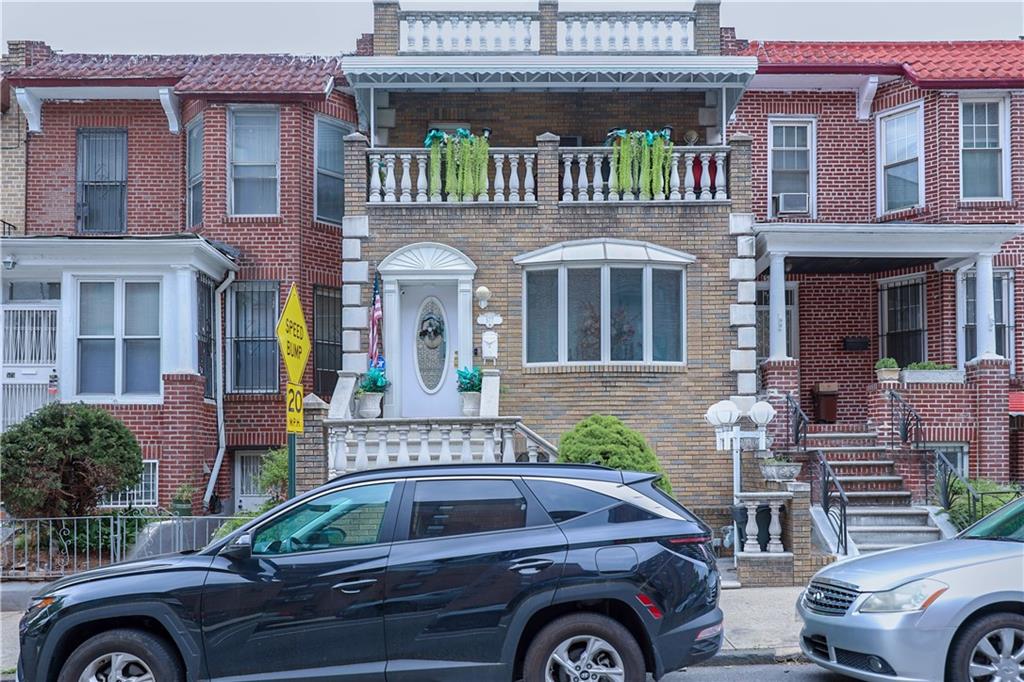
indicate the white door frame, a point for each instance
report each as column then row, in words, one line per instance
column 423, row 263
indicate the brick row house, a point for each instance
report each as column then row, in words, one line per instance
column 169, row 203
column 887, row 194
column 815, row 217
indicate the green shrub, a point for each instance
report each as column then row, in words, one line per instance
column 274, row 476
column 887, row 363
column 928, row 364
column 63, row 459
column 605, row 440
column 960, row 508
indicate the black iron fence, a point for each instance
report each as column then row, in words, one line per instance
column 834, row 502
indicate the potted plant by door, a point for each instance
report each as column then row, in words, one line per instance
column 470, row 380
column 370, row 393
column 181, row 500
column 929, row 372
column 779, row 468
column 887, row 369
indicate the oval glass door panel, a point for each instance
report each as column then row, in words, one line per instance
column 431, row 344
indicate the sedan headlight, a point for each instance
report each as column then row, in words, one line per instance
column 914, row 596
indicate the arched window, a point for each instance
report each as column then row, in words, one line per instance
column 604, row 301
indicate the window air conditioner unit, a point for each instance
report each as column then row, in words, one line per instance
column 794, row 202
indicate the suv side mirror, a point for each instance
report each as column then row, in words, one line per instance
column 239, row 548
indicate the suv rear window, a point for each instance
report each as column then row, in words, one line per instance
column 444, row 508
column 564, row 501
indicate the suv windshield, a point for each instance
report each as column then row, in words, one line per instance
column 1003, row 524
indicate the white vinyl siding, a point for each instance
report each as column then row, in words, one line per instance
column 254, row 151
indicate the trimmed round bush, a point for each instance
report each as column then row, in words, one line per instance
column 63, row 459
column 605, row 440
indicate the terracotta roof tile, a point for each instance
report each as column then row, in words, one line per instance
column 958, row 63
column 1017, row 402
column 221, row 74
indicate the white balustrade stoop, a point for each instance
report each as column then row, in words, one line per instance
column 589, row 175
column 775, row 502
column 512, row 170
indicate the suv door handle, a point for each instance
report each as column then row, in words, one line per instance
column 530, row 566
column 354, row 586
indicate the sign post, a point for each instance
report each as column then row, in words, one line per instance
column 293, row 338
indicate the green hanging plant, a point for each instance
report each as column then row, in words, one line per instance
column 435, row 168
column 451, row 174
column 645, row 171
column 642, row 160
column 667, row 174
column 657, row 166
column 466, row 179
column 481, row 154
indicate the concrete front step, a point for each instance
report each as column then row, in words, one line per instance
column 871, row 483
column 858, row 515
column 894, row 535
column 863, row 467
column 841, row 438
column 876, row 547
column 831, row 450
column 877, row 497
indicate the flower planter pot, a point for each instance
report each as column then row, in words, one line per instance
column 179, row 508
column 470, row 403
column 932, row 376
column 780, row 471
column 888, row 374
column 368, row 405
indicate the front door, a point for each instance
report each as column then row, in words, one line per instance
column 249, row 495
column 430, row 334
column 308, row 603
column 30, row 343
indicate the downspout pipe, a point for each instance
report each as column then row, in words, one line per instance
column 222, row 440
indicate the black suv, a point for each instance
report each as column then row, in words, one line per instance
column 489, row 572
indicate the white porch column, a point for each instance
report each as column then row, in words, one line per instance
column 180, row 308
column 777, row 308
column 985, row 307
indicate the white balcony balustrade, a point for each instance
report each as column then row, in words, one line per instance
column 359, row 444
column 775, row 501
column 589, row 174
column 403, row 176
column 468, row 33
column 625, row 32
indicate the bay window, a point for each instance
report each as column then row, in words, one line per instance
column 605, row 313
column 329, row 183
column 254, row 160
column 982, row 150
column 901, row 165
column 118, row 337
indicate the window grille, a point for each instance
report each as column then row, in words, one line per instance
column 327, row 348
column 102, row 180
column 251, row 339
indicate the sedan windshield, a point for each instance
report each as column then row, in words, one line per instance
column 1006, row 523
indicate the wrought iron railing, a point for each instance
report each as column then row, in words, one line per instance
column 906, row 424
column 797, row 421
column 8, row 228
column 833, row 501
column 946, row 486
column 51, row 547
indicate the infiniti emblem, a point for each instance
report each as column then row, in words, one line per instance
column 818, row 596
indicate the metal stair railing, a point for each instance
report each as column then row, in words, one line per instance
column 834, row 502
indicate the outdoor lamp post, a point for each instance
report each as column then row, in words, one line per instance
column 724, row 416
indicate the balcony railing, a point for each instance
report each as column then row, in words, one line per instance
column 359, row 444
column 402, row 175
column 753, row 501
column 585, row 175
column 619, row 32
column 588, row 174
column 468, row 32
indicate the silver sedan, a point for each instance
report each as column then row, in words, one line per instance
column 950, row 610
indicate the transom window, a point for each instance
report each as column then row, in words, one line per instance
column 903, row 334
column 605, row 301
column 901, row 161
column 254, row 153
column 330, row 169
column 791, row 162
column 118, row 337
column 1003, row 294
column 102, row 174
column 982, row 152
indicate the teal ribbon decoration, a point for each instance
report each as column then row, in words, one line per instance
column 463, row 133
column 434, row 134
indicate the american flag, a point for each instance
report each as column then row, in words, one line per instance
column 376, row 318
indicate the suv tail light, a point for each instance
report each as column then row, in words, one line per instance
column 696, row 546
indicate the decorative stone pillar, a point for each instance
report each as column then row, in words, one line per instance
column 385, row 27
column 547, row 170
column 548, row 11
column 991, row 379
column 706, row 27
column 780, row 378
column 311, row 446
column 742, row 314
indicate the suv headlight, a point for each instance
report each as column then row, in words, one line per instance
column 914, row 596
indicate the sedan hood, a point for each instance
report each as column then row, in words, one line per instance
column 150, row 565
column 892, row 568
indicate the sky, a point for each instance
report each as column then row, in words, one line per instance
column 332, row 26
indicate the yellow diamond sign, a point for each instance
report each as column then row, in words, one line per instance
column 293, row 337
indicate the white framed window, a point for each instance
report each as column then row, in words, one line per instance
column 194, row 171
column 791, row 166
column 955, row 453
column 118, row 337
column 984, row 149
column 763, row 325
column 1002, row 290
column 900, row 137
column 254, row 160
column 252, row 344
column 902, row 326
column 605, row 313
column 143, row 495
column 329, row 180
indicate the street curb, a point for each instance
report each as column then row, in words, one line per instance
column 765, row 656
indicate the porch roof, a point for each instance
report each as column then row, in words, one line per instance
column 869, row 247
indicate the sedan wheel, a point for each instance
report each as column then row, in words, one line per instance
column 999, row 656
column 585, row 658
column 117, row 667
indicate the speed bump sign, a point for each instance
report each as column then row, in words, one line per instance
column 293, row 337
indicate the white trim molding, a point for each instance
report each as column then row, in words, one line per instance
column 172, row 109
column 604, row 250
column 880, row 122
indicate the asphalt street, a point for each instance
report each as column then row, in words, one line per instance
column 794, row 672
